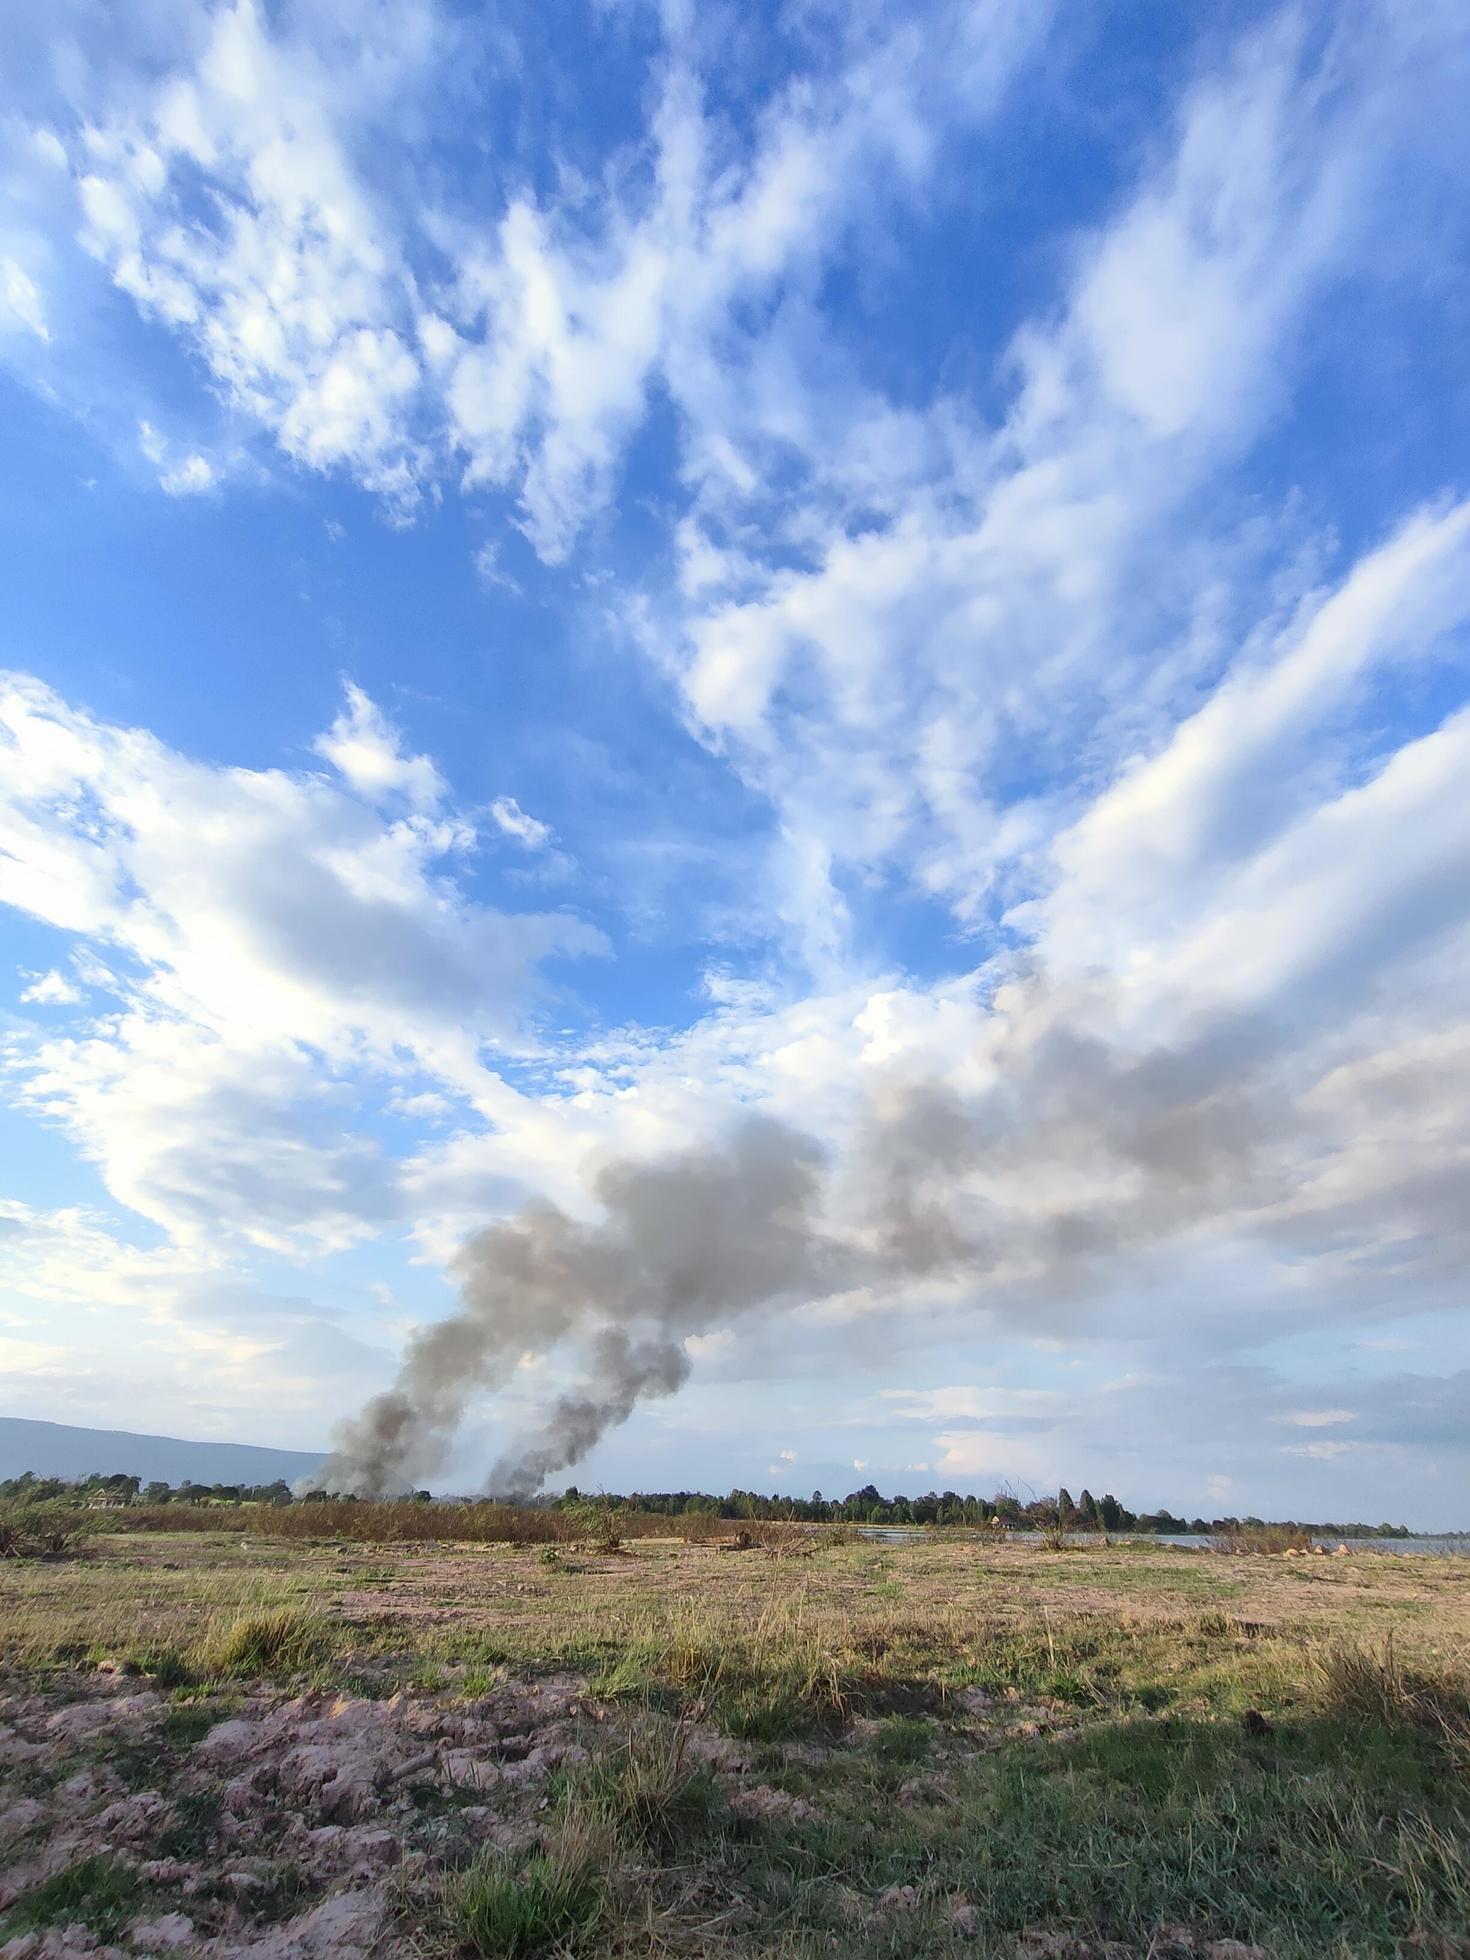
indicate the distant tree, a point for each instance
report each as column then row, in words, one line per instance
column 157, row 1492
column 1113, row 1515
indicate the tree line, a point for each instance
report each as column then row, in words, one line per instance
column 1005, row 1510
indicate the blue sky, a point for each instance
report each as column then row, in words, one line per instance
column 574, row 576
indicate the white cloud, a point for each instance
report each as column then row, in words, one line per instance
column 976, row 1455
column 278, row 936
column 702, row 1344
column 1317, row 1418
column 1016, row 603
column 75, row 1256
column 1151, row 857
column 318, row 298
column 292, row 295
column 978, row 1404
column 188, row 479
column 365, row 748
column 20, row 300
column 427, row 1104
column 489, row 571
column 51, row 989
column 192, row 476
column 515, row 822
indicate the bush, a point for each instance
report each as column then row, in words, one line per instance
column 22, row 1540
column 599, row 1520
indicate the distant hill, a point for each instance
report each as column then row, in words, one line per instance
column 55, row 1449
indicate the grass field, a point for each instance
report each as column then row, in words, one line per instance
column 279, row 1745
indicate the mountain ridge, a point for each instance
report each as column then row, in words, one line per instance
column 60, row 1449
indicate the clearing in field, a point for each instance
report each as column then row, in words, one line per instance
column 237, row 1743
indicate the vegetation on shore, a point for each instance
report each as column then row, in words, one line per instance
column 648, row 1511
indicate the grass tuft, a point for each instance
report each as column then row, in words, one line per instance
column 493, row 1908
column 164, row 1664
column 286, row 1640
column 1368, row 1687
column 645, row 1790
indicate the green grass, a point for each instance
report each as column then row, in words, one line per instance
column 194, row 1825
column 165, row 1664
column 1311, row 1842
column 98, row 1892
column 186, row 1724
column 542, row 1906
column 644, row 1791
column 285, row 1640
column 903, row 1740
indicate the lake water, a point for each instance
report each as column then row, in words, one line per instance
column 903, row 1534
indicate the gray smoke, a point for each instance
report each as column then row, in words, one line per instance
column 1080, row 1149
column 623, row 1374
column 684, row 1245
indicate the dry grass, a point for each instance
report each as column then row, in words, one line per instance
column 1375, row 1687
column 936, row 1611
column 409, row 1523
column 22, row 1540
column 285, row 1640
column 1268, row 1538
column 1007, row 1738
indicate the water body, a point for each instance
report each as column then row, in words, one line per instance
column 904, row 1534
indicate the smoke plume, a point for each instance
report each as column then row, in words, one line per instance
column 1075, row 1148
column 683, row 1246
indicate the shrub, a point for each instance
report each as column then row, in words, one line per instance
column 20, row 1540
column 597, row 1519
